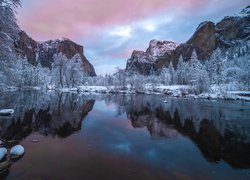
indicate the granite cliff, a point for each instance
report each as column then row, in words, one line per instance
column 43, row 52
column 208, row 36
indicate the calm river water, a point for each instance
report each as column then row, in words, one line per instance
column 126, row 137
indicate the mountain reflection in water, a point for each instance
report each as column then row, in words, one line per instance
column 221, row 132
column 50, row 114
column 219, row 129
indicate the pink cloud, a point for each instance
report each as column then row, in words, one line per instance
column 77, row 18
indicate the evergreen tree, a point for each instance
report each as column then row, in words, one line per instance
column 215, row 66
column 181, row 71
column 171, row 72
column 198, row 75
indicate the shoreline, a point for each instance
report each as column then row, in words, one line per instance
column 168, row 91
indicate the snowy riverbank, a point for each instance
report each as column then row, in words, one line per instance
column 172, row 91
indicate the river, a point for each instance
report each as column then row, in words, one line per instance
column 99, row 136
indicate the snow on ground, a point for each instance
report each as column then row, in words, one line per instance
column 241, row 93
column 184, row 91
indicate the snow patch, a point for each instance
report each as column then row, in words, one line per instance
column 6, row 112
column 3, row 152
column 17, row 150
column 159, row 48
column 245, row 12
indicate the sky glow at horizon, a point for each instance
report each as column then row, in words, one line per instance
column 110, row 30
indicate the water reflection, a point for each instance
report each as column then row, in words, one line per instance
column 50, row 114
column 220, row 130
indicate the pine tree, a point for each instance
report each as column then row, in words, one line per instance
column 181, row 71
column 215, row 66
column 165, row 76
column 198, row 75
column 8, row 33
column 171, row 72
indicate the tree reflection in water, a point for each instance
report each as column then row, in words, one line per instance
column 220, row 130
column 50, row 114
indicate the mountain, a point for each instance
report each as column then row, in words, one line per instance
column 43, row 52
column 155, row 57
column 229, row 32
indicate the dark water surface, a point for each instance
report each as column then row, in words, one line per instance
column 126, row 137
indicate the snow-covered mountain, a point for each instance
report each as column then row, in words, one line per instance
column 159, row 48
column 149, row 61
column 245, row 12
column 229, row 32
column 43, row 52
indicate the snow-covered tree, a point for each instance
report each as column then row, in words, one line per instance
column 181, row 72
column 136, row 82
column 109, row 80
column 152, row 81
column 67, row 72
column 214, row 67
column 171, row 72
column 235, row 73
column 8, row 34
column 139, row 84
column 197, row 74
column 58, row 68
column 74, row 74
column 120, row 79
column 165, row 77
column 8, row 25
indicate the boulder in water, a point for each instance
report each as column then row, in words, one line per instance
column 3, row 153
column 16, row 152
column 6, row 112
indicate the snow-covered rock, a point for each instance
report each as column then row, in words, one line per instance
column 141, row 57
column 6, row 112
column 159, row 48
column 153, row 59
column 209, row 36
column 245, row 12
column 3, row 152
column 43, row 52
column 17, row 151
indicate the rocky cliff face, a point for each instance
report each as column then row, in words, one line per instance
column 43, row 52
column 153, row 59
column 207, row 37
column 28, row 47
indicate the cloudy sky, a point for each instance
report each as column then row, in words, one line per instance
column 110, row 30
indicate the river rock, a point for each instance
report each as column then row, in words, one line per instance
column 3, row 152
column 17, row 151
column 6, row 112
